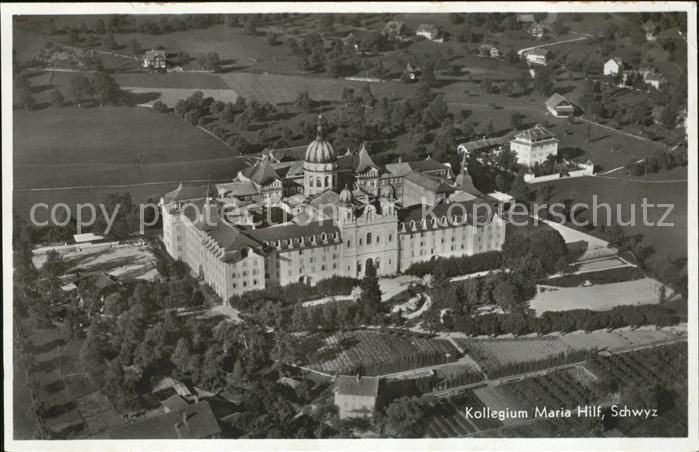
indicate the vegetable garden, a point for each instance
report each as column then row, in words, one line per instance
column 445, row 417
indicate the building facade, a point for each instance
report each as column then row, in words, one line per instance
column 534, row 145
column 392, row 216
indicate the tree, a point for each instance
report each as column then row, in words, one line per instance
column 642, row 113
column 135, row 46
column 57, row 98
column 543, row 81
column 505, row 295
column 303, row 101
column 405, row 415
column 80, row 88
column 210, row 62
column 106, row 89
column 250, row 26
column 516, row 120
column 109, row 42
column 99, row 27
column 371, row 292
column 272, row 38
column 54, row 266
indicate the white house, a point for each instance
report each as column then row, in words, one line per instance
column 655, row 79
column 534, row 145
column 427, row 31
column 536, row 31
column 356, row 396
column 559, row 106
column 613, row 66
column 538, row 56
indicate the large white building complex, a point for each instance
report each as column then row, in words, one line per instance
column 342, row 211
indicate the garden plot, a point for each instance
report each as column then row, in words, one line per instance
column 376, row 353
column 497, row 399
column 170, row 96
column 126, row 261
column 598, row 297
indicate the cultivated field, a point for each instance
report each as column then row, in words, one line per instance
column 74, row 406
column 493, row 355
column 128, row 262
column 376, row 353
column 445, row 417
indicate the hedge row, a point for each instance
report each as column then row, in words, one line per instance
column 456, row 266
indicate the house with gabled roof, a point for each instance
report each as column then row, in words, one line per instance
column 195, row 421
column 613, row 66
column 356, row 396
column 427, row 31
column 559, row 106
column 534, row 145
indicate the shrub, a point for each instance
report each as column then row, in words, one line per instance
column 458, row 265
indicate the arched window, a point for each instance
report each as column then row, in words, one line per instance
column 319, row 182
column 327, row 181
column 310, row 181
column 368, row 238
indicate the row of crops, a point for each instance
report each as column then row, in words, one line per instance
column 556, row 389
column 500, row 358
column 379, row 353
column 663, row 364
column 445, row 417
column 438, row 380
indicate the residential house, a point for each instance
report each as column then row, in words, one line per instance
column 560, row 107
column 613, row 66
column 525, row 18
column 154, row 60
column 195, row 421
column 536, row 31
column 539, row 56
column 488, row 50
column 427, row 31
column 356, row 396
column 534, row 145
column 655, row 79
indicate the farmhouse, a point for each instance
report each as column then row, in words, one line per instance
column 539, row 56
column 654, row 79
column 559, row 106
column 154, row 60
column 488, row 50
column 333, row 232
column 534, row 145
column 536, row 31
column 194, row 421
column 427, row 31
column 356, row 396
column 613, row 66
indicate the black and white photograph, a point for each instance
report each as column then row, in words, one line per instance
column 425, row 226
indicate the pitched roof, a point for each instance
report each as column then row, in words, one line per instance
column 195, row 421
column 537, row 133
column 617, row 60
column 261, row 173
column 293, row 231
column 186, row 193
column 429, row 183
column 289, row 168
column 399, row 169
column 239, row 188
column 174, row 403
column 429, row 28
column 364, row 161
column 477, row 145
column 428, row 164
column 459, row 208
column 150, row 54
column 231, row 240
column 357, row 386
column 557, row 100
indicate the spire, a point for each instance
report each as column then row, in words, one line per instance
column 319, row 127
column 209, row 192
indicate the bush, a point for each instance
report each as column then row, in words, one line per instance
column 458, row 265
column 160, row 107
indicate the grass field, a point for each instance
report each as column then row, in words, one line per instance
column 626, row 195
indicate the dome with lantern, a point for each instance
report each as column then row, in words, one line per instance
column 320, row 151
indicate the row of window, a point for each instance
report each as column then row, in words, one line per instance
column 369, row 240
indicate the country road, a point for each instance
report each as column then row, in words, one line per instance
column 550, row 44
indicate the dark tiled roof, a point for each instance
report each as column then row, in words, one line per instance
column 429, row 183
column 186, row 192
column 174, row 403
column 195, row 421
column 261, row 173
column 357, row 386
column 537, row 133
column 364, row 161
column 294, row 232
column 429, row 164
column 415, row 213
column 557, row 100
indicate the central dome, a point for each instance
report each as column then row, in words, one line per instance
column 320, row 151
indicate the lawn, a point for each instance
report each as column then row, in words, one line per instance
column 626, row 196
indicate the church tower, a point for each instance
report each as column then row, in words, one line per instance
column 320, row 165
